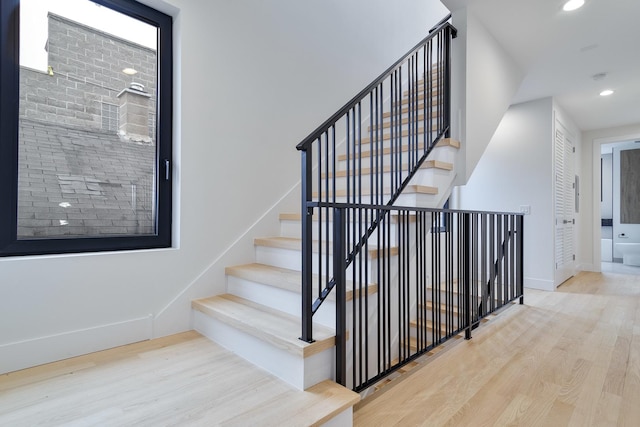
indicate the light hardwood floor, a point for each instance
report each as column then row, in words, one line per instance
column 180, row 380
column 568, row 358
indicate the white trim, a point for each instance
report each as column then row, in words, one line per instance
column 37, row 351
column 595, row 173
column 541, row 284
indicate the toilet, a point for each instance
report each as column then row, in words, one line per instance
column 630, row 253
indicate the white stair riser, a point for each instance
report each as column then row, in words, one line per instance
column 279, row 299
column 294, row 229
column 444, row 154
column 292, row 260
column 362, row 146
column 418, row 200
column 300, row 372
column 424, row 176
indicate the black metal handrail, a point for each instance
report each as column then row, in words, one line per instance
column 444, row 23
column 405, row 112
column 429, row 283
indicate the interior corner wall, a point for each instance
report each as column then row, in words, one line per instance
column 517, row 169
column 252, row 79
column 590, row 228
column 492, row 79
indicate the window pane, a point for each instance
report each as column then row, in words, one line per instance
column 87, row 148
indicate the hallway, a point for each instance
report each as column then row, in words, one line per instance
column 569, row 358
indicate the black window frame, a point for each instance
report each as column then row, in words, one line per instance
column 10, row 245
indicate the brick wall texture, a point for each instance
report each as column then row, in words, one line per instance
column 75, row 177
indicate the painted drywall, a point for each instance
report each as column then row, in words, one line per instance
column 252, row 80
column 491, row 78
column 590, row 229
column 516, row 170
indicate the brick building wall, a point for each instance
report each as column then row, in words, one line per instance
column 87, row 75
column 79, row 175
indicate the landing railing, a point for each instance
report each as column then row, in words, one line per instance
column 423, row 277
column 366, row 153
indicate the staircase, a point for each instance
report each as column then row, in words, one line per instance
column 387, row 147
column 259, row 316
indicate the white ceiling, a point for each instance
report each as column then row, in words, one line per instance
column 559, row 53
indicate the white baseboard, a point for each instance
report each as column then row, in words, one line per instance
column 588, row 267
column 543, row 285
column 37, row 351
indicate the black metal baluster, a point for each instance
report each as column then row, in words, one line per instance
column 307, row 254
column 339, row 275
column 520, row 257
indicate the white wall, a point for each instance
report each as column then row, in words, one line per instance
column 252, row 80
column 490, row 80
column 589, row 253
column 517, row 169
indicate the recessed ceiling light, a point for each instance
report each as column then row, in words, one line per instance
column 130, row 71
column 64, row 205
column 572, row 5
column 606, row 92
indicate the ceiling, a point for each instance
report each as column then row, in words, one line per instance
column 560, row 52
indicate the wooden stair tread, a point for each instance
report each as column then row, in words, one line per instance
column 403, row 121
column 272, row 326
column 312, row 407
column 409, row 189
column 443, row 307
column 428, row 164
column 416, row 323
column 445, row 142
column 404, row 110
column 295, row 244
column 283, row 278
column 404, row 133
column 297, row 216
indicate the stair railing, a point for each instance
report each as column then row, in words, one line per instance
column 429, row 281
column 384, row 135
column 498, row 273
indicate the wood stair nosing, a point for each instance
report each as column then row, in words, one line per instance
column 445, row 142
column 297, row 217
column 410, row 189
column 295, row 244
column 269, row 325
column 404, row 110
column 428, row 164
column 442, row 307
column 405, row 133
column 314, row 406
column 405, row 121
column 416, row 323
column 420, row 89
column 289, row 280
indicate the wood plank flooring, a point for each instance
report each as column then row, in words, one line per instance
column 181, row 380
column 568, row 358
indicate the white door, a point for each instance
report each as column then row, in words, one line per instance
column 565, row 258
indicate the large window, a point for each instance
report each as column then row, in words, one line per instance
column 85, row 126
